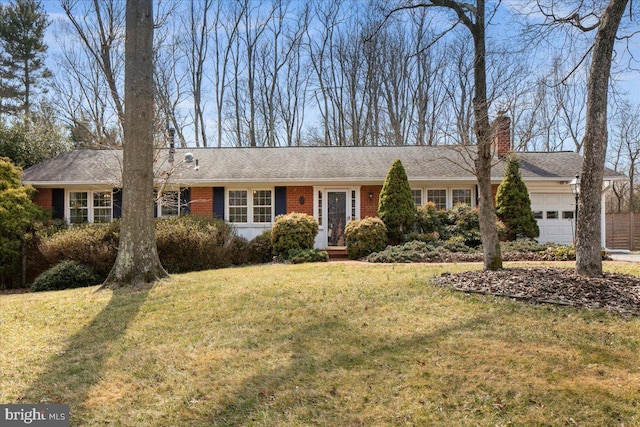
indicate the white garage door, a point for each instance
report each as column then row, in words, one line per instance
column 554, row 213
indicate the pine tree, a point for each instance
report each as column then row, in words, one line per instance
column 513, row 205
column 396, row 207
column 22, row 27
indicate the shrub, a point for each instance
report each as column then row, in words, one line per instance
column 414, row 251
column 396, row 207
column 260, row 249
column 66, row 275
column 457, row 244
column 293, row 231
column 513, row 205
column 191, row 243
column 239, row 250
column 559, row 253
column 429, row 219
column 429, row 238
column 465, row 222
column 185, row 243
column 18, row 213
column 95, row 245
column 523, row 245
column 299, row 256
column 365, row 236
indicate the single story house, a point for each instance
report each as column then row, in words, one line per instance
column 249, row 187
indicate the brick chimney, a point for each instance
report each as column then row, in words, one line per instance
column 501, row 134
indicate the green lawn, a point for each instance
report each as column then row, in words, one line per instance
column 334, row 344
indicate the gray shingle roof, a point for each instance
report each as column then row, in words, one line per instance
column 219, row 166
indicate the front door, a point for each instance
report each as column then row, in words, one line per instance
column 336, row 217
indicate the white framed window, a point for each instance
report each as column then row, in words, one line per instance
column 102, row 207
column 416, row 195
column 438, row 197
column 250, row 206
column 89, row 206
column 78, row 207
column 461, row 195
column 238, row 206
column 262, row 206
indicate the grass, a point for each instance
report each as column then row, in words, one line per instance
column 318, row 344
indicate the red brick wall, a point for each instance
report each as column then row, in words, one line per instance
column 502, row 134
column 201, row 201
column 369, row 207
column 43, row 198
column 293, row 200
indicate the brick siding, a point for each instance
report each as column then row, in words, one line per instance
column 369, row 207
column 201, row 201
column 293, row 200
column 43, row 198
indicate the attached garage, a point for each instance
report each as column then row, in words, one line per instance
column 555, row 215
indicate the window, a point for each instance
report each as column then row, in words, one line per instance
column 78, row 207
column 102, row 207
column 353, row 205
column 90, row 206
column 170, row 203
column 238, row 206
column 567, row 214
column 438, row 197
column 552, row 214
column 320, row 207
column 461, row 196
column 261, row 206
column 417, row 197
column 537, row 214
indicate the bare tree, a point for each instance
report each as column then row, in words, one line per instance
column 473, row 18
column 98, row 25
column 137, row 262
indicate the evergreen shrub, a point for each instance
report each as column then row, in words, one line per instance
column 299, row 256
column 365, row 236
column 66, row 275
column 293, row 231
column 260, row 249
column 396, row 207
column 513, row 205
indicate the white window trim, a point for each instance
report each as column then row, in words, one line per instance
column 90, row 207
column 449, row 194
column 249, row 190
column 158, row 205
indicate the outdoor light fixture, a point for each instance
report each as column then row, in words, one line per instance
column 370, row 195
column 301, row 200
column 574, row 184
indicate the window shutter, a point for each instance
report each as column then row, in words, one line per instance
column 281, row 201
column 117, row 203
column 57, row 203
column 218, row 202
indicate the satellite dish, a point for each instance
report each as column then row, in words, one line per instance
column 188, row 157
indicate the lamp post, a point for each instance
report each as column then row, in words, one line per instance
column 574, row 184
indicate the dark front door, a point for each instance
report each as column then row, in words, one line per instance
column 336, row 217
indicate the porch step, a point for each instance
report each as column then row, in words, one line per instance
column 337, row 254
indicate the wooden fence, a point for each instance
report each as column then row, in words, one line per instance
column 623, row 231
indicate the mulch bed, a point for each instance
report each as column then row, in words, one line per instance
column 613, row 292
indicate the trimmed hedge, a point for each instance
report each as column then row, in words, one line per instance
column 365, row 236
column 66, row 275
column 293, row 231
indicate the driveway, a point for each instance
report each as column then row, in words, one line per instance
column 622, row 255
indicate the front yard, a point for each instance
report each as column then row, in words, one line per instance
column 349, row 344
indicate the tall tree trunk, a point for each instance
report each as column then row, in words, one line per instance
column 137, row 262
column 588, row 229
column 488, row 229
